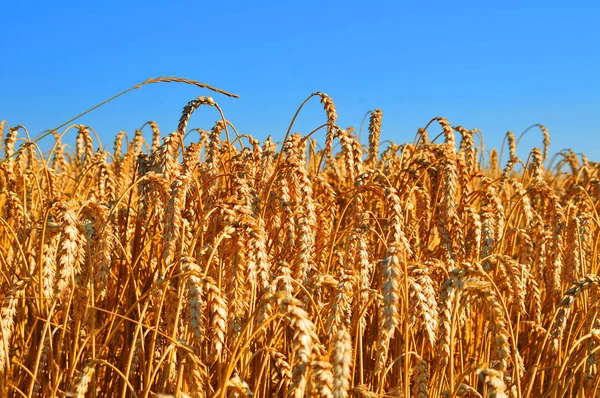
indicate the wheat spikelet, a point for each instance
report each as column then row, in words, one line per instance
column 238, row 282
column 331, row 119
column 211, row 166
column 339, row 313
column 137, row 142
column 7, row 313
column 537, row 166
column 322, row 378
column 70, row 249
column 472, row 246
column 175, row 79
column 467, row 147
column 217, row 307
column 49, row 265
column 9, row 146
column 59, row 163
column 283, row 376
column 512, row 156
column 546, row 141
column 572, row 269
column 449, row 294
column 84, row 146
column 155, row 136
column 448, row 133
column 365, row 267
column 446, row 209
column 258, row 255
column 424, row 307
column 267, row 163
column 489, row 224
column 118, row 145
column 190, row 108
column 585, row 218
column 341, row 359
column 289, row 224
column 197, row 381
column 420, row 382
column 388, row 312
column 374, row 134
column 196, row 301
column 306, row 219
column 102, row 245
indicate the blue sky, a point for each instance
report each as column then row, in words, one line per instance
column 496, row 66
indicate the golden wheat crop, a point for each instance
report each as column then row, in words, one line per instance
column 234, row 268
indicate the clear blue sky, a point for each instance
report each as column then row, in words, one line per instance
column 497, row 66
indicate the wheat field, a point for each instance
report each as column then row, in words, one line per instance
column 231, row 267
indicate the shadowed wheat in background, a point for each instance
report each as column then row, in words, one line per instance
column 230, row 267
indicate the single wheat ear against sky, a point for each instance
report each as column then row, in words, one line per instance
column 495, row 67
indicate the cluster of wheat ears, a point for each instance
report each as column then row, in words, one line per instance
column 233, row 268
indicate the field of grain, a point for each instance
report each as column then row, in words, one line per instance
column 231, row 267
